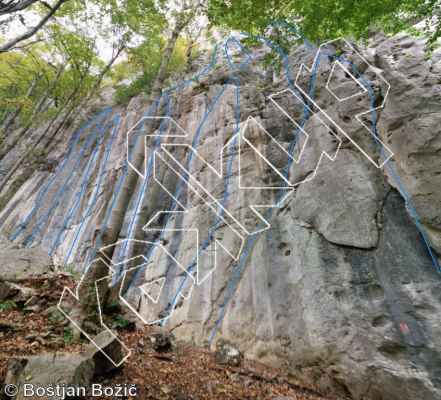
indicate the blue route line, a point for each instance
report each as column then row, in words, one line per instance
column 283, row 192
column 43, row 219
column 76, row 137
column 66, row 182
column 165, row 94
column 115, row 121
column 79, row 195
column 391, row 168
column 181, row 182
column 219, row 219
column 270, row 212
column 125, row 168
column 374, row 123
column 141, row 193
column 119, row 186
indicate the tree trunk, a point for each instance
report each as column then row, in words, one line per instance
column 11, row 118
column 110, row 236
column 50, row 141
column 191, row 44
column 103, row 72
column 38, row 109
column 82, row 104
column 20, row 161
column 5, row 114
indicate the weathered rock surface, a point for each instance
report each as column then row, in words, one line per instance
column 341, row 290
column 226, row 353
column 54, row 369
column 410, row 125
column 111, row 346
column 19, row 264
column 15, row 292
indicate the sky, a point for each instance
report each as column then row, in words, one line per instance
column 16, row 27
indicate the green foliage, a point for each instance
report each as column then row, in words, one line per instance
column 125, row 92
column 36, row 152
column 7, row 305
column 71, row 270
column 45, row 74
column 200, row 87
column 94, row 316
column 145, row 61
column 120, row 322
column 68, row 334
column 326, row 19
column 56, row 318
column 69, row 42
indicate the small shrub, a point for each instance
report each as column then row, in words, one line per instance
column 68, row 334
column 120, row 322
column 200, row 87
column 55, row 318
column 7, row 305
column 70, row 120
column 16, row 138
column 71, row 270
column 36, row 152
column 261, row 85
column 124, row 93
column 96, row 108
column 94, row 317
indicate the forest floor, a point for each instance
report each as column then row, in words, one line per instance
column 185, row 372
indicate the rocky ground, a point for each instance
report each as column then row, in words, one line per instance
column 37, row 346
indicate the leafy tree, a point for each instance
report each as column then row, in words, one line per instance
column 141, row 67
column 321, row 20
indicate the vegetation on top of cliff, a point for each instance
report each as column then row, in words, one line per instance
column 56, row 62
column 142, row 65
column 324, row 20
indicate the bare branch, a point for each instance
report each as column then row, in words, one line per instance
column 12, row 7
column 28, row 44
column 33, row 30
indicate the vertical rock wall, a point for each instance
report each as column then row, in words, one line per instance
column 341, row 289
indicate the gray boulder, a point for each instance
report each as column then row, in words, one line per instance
column 15, row 292
column 161, row 340
column 49, row 368
column 20, row 264
column 112, row 348
column 227, row 353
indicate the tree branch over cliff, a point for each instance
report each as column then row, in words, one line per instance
column 32, row 31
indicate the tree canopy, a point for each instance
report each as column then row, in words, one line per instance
column 68, row 48
column 327, row 19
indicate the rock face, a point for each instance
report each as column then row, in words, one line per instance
column 410, row 125
column 48, row 369
column 364, row 325
column 341, row 289
column 19, row 264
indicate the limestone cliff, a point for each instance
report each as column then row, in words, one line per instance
column 341, row 289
